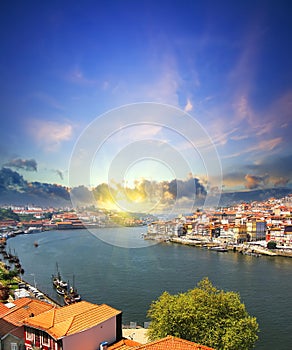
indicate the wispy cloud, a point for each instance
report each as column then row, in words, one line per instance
column 262, row 146
column 47, row 99
column 77, row 76
column 50, row 134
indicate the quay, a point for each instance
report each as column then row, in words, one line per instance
column 25, row 289
column 247, row 249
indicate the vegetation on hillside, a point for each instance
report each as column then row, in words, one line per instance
column 8, row 214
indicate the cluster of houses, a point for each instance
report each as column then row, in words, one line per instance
column 30, row 324
column 66, row 219
column 247, row 222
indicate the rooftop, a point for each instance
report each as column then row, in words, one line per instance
column 172, row 343
column 71, row 319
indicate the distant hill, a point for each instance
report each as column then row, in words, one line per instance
column 254, row 195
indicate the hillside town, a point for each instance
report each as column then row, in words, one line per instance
column 31, row 219
column 247, row 227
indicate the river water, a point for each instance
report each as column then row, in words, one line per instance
column 129, row 279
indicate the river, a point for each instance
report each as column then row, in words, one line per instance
column 130, row 278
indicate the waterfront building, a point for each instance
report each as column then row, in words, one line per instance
column 256, row 230
column 77, row 326
column 11, row 320
column 165, row 229
column 240, row 235
column 288, row 234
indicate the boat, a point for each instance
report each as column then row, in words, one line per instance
column 251, row 253
column 60, row 290
column 72, row 296
column 219, row 249
column 57, row 280
column 36, row 244
column 33, row 229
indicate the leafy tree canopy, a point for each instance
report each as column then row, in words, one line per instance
column 204, row 315
column 272, row 245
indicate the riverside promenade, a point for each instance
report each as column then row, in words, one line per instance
column 244, row 248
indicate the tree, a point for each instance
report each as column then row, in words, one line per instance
column 271, row 245
column 204, row 315
column 4, row 293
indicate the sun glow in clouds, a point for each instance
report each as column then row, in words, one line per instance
column 136, row 150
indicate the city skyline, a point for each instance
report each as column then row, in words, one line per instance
column 227, row 65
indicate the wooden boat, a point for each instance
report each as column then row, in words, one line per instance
column 72, row 296
column 60, row 290
column 57, row 280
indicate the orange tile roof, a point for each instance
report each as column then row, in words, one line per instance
column 23, row 308
column 124, row 344
column 71, row 319
column 172, row 343
column 3, row 309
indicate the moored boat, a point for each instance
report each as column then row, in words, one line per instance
column 219, row 249
column 57, row 280
column 72, row 296
column 60, row 290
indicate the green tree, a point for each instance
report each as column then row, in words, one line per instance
column 204, row 315
column 271, row 245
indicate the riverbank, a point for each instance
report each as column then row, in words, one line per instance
column 19, row 288
column 249, row 248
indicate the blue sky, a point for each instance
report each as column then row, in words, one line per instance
column 227, row 64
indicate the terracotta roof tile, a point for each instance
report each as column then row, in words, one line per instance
column 124, row 344
column 172, row 343
column 24, row 308
column 72, row 319
column 3, row 309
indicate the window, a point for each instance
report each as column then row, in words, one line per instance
column 45, row 339
column 29, row 334
column 14, row 346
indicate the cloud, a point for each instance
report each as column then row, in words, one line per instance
column 60, row 173
column 268, row 172
column 278, row 168
column 262, row 146
column 13, row 185
column 77, row 76
column 47, row 100
column 148, row 195
column 188, row 106
column 11, row 180
column 26, row 164
column 50, row 134
column 254, row 181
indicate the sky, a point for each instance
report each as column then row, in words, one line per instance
column 69, row 68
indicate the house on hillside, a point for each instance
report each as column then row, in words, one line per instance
column 77, row 326
column 11, row 317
